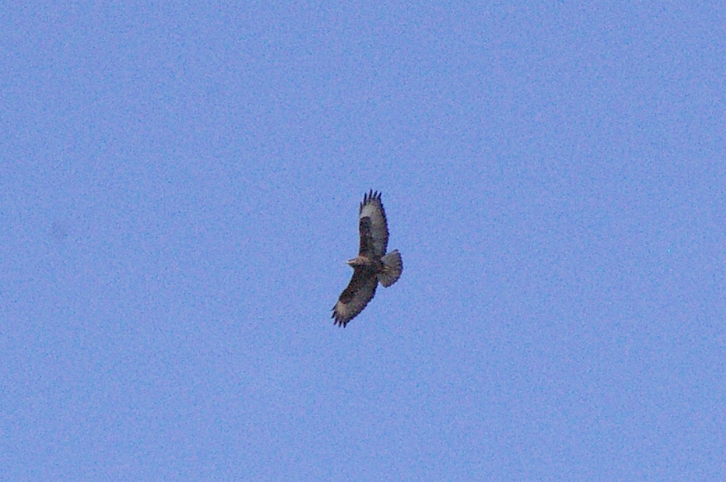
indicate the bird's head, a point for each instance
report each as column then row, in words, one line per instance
column 358, row 261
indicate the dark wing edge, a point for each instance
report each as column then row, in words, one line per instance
column 374, row 232
column 355, row 296
column 366, row 237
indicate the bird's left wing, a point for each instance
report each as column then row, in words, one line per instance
column 372, row 225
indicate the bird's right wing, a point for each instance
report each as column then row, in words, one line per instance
column 355, row 296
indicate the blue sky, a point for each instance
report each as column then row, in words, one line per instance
column 179, row 185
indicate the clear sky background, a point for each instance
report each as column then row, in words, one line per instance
column 179, row 188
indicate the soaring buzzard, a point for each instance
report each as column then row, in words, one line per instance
column 372, row 265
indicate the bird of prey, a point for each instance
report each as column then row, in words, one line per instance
column 372, row 265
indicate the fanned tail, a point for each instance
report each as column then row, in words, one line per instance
column 392, row 268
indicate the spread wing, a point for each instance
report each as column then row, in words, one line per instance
column 356, row 296
column 372, row 226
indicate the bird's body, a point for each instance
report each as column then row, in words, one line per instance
column 372, row 265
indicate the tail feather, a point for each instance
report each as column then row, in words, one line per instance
column 392, row 268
